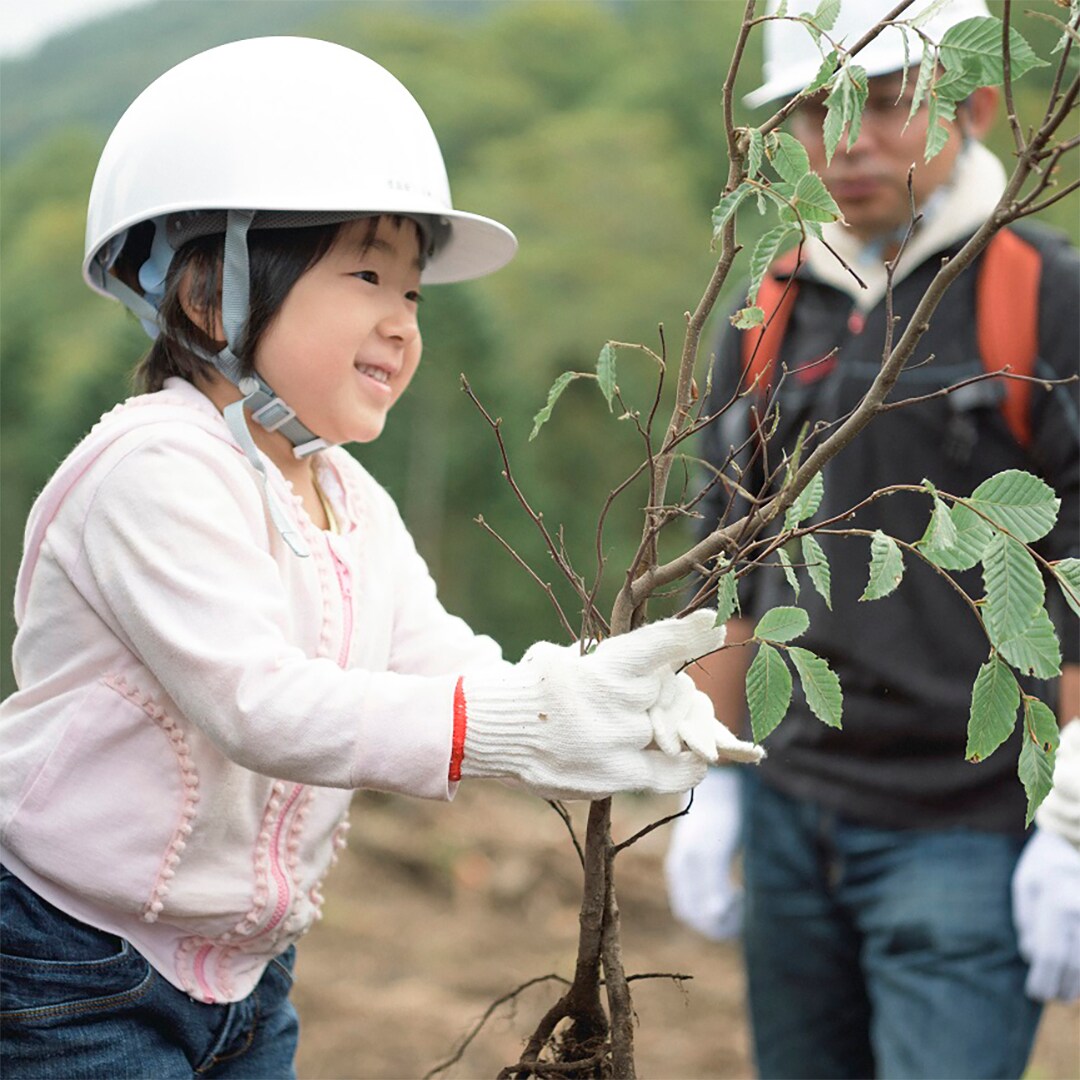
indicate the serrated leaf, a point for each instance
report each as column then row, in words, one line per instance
column 1035, row 650
column 787, row 156
column 557, row 388
column 1022, row 504
column 605, row 373
column 727, row 206
column 940, row 113
column 886, row 566
column 927, row 69
column 1037, row 753
column 940, row 531
column 811, row 201
column 807, row 503
column 995, row 698
column 824, row 74
column 817, row 566
column 828, row 11
column 727, row 596
column 782, row 624
column 747, row 318
column 820, row 685
column 789, row 571
column 768, row 691
column 765, row 251
column 1067, row 574
column 755, row 151
column 1014, row 588
column 844, row 107
column 975, row 45
column 972, row 536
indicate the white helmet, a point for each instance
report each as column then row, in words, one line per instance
column 792, row 59
column 281, row 123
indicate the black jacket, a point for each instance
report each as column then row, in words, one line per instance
column 907, row 663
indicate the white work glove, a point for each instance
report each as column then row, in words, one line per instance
column 1046, row 884
column 700, row 888
column 621, row 718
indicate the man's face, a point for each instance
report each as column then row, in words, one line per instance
column 870, row 181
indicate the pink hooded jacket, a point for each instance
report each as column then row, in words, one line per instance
column 196, row 702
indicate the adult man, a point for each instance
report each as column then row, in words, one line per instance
column 879, row 928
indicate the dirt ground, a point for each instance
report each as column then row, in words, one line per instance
column 436, row 911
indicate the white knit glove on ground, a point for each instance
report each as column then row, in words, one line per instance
column 700, row 888
column 620, row 718
column 1046, row 884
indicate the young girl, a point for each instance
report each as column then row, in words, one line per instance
column 224, row 626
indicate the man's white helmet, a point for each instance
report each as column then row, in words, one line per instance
column 792, row 59
column 281, row 124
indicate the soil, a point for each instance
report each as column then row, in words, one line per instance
column 436, row 911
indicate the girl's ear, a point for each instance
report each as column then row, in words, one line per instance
column 192, row 294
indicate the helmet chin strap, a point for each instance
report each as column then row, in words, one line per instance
column 266, row 408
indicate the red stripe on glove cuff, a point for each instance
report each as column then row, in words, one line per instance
column 457, row 748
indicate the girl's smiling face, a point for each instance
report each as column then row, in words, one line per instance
column 346, row 342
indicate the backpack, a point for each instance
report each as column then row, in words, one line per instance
column 1006, row 315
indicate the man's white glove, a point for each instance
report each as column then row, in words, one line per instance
column 1046, row 884
column 697, row 867
column 621, row 718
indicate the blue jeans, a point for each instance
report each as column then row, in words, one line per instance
column 879, row 952
column 76, row 1002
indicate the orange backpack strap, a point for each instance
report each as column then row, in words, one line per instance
column 1007, row 316
column 776, row 297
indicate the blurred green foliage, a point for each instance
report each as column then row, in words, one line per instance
column 593, row 129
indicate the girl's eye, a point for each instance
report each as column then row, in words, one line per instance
column 370, row 276
column 414, row 296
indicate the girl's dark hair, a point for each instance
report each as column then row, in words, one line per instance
column 277, row 259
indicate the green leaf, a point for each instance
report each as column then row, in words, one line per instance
column 727, row 206
column 1014, row 588
column 789, row 571
column 820, row 685
column 807, row 503
column 940, row 531
column 886, row 566
column 994, row 701
column 828, row 11
column 972, row 536
column 765, row 251
column 1067, row 574
column 811, row 201
column 1035, row 650
column 727, row 595
column 747, row 318
column 825, row 73
column 1019, row 502
column 788, row 157
column 605, row 373
column 975, row 45
column 755, row 151
column 844, row 107
column 817, row 566
column 557, row 388
column 927, row 68
column 768, row 691
column 1037, row 752
column 782, row 624
column 939, row 115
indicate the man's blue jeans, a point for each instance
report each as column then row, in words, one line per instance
column 76, row 1002
column 878, row 952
